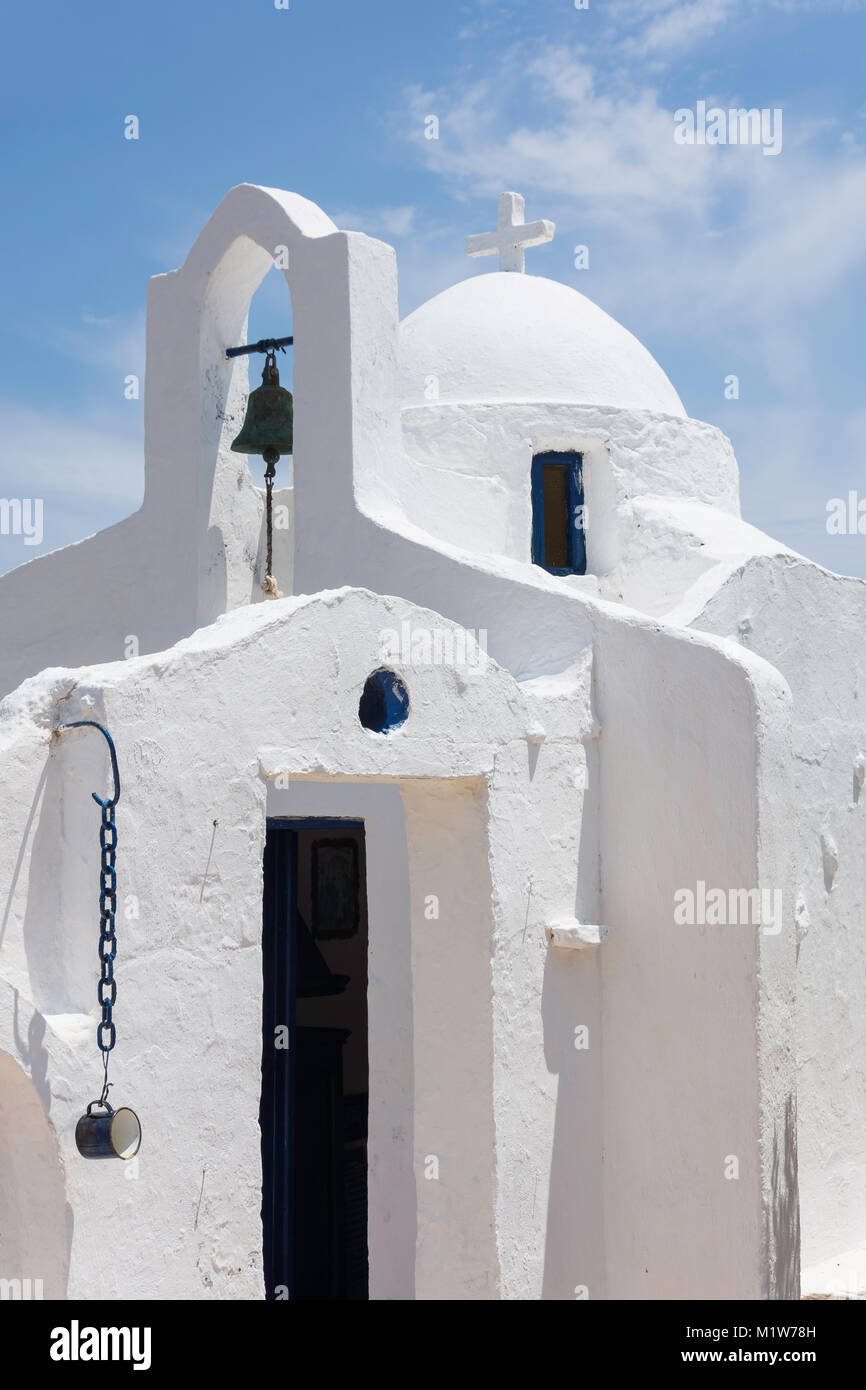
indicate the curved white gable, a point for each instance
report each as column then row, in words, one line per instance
column 508, row 337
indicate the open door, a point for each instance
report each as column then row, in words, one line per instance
column 313, row 1111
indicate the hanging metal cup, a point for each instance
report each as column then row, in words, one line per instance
column 114, row 1134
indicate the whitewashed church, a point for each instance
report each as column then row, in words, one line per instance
column 490, row 906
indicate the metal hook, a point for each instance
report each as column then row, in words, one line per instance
column 92, row 724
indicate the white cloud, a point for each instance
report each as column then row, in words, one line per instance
column 88, row 474
column 49, row 456
column 792, row 464
column 708, row 239
column 740, row 259
column 396, row 222
column 114, row 341
column 593, row 142
column 816, row 6
column 667, row 29
column 678, row 29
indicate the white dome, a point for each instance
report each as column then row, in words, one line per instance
column 511, row 337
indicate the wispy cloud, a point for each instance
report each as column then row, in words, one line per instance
column 385, row 221
column 740, row 259
column 718, row 238
column 88, row 475
column 595, row 137
column 668, row 31
column 113, row 341
column 44, row 454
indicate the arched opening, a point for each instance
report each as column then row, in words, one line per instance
column 248, row 298
column 34, row 1233
column 270, row 316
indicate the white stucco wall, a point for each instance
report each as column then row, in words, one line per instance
column 190, row 552
column 662, row 759
column 472, row 1016
column 189, row 968
column 695, row 784
column 809, row 623
column 465, row 477
column 511, row 337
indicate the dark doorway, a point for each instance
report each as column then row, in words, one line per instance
column 313, row 1111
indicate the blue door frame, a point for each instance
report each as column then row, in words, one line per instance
column 275, row 1112
column 277, row 1104
column 572, row 464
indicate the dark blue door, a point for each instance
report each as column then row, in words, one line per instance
column 278, row 1012
column 313, row 1116
column 558, row 513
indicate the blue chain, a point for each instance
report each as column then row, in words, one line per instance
column 106, row 990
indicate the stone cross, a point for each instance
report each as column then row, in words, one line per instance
column 511, row 235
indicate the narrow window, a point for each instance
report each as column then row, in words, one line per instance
column 558, row 538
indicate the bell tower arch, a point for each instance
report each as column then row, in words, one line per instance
column 199, row 497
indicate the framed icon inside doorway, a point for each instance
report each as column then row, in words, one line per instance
column 336, row 888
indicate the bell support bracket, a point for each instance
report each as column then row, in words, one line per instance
column 263, row 345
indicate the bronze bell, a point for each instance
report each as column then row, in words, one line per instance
column 267, row 427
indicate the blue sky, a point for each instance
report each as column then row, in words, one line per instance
column 722, row 260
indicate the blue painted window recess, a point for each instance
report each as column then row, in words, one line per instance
column 384, row 703
column 558, row 513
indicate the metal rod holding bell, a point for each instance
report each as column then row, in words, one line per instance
column 263, row 345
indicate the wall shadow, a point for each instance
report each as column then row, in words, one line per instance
column 35, row 1221
column 574, row 1244
column 785, row 1210
column 61, row 921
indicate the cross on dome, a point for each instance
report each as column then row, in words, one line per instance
column 511, row 235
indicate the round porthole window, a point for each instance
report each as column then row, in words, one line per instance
column 384, row 704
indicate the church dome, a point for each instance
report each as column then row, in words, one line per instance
column 511, row 337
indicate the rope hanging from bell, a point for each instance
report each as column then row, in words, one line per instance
column 269, row 584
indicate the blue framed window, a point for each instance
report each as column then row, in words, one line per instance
column 558, row 513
